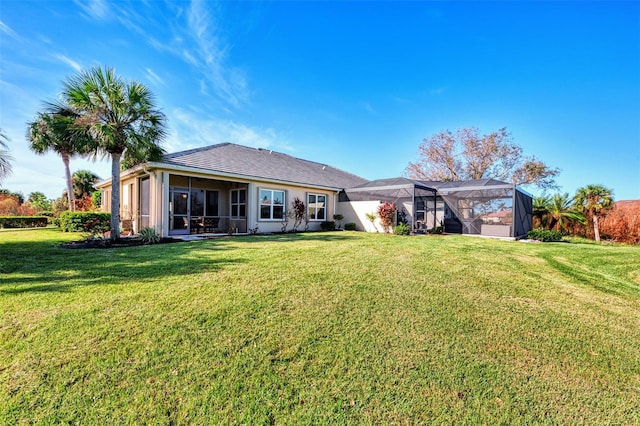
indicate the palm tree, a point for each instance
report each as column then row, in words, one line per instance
column 5, row 157
column 83, row 181
column 594, row 199
column 561, row 210
column 541, row 209
column 120, row 116
column 55, row 130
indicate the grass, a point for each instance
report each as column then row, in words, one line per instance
column 337, row 327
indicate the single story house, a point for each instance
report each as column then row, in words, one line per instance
column 233, row 188
column 225, row 187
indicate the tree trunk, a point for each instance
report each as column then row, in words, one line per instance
column 596, row 230
column 115, row 196
column 67, row 175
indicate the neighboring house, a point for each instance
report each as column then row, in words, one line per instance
column 225, row 187
column 233, row 188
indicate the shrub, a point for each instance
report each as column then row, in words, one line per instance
column 622, row 222
column 387, row 213
column 328, row 225
column 402, row 229
column 23, row 221
column 350, row 226
column 92, row 222
column 297, row 213
column 148, row 235
column 372, row 219
column 544, row 235
column 437, row 230
column 338, row 217
column 96, row 200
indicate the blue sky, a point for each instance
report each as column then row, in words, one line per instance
column 356, row 85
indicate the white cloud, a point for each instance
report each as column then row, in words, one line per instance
column 192, row 129
column 154, row 78
column 210, row 55
column 367, row 107
column 94, row 9
column 66, row 60
column 8, row 31
column 437, row 91
column 193, row 34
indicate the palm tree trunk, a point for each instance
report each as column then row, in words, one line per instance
column 115, row 196
column 596, row 229
column 67, row 175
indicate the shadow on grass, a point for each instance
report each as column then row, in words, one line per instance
column 27, row 266
column 298, row 236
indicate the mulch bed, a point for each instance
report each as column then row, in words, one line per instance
column 100, row 243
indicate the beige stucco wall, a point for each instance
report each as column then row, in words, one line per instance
column 291, row 192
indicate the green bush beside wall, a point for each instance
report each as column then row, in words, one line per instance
column 92, row 222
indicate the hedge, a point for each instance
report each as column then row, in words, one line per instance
column 328, row 225
column 93, row 222
column 23, row 221
column 544, row 235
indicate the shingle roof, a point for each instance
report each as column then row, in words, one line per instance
column 262, row 163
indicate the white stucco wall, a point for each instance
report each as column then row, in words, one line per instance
column 356, row 211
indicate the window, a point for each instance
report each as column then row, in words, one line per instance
column 197, row 202
column 211, row 205
column 204, row 203
column 317, row 206
column 271, row 204
column 238, row 203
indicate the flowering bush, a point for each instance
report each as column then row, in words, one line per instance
column 297, row 213
column 387, row 213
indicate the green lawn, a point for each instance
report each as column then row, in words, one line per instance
column 338, row 327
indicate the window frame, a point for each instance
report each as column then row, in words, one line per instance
column 238, row 204
column 309, row 207
column 271, row 205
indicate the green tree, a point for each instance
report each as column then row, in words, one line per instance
column 39, row 201
column 561, row 210
column 83, row 181
column 55, row 130
column 5, row 157
column 121, row 117
column 541, row 209
column 466, row 155
column 593, row 199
